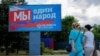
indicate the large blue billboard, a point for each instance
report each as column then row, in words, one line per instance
column 35, row 18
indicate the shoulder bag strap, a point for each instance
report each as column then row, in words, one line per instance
column 77, row 36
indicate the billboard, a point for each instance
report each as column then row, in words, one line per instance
column 35, row 18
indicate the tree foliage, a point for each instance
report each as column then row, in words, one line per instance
column 96, row 31
column 67, row 26
column 6, row 37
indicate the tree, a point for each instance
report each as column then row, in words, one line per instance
column 96, row 31
column 7, row 38
column 67, row 26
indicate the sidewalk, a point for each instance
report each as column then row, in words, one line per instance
column 62, row 53
column 98, row 53
column 56, row 55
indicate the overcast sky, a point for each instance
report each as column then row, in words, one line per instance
column 86, row 11
column 0, row 1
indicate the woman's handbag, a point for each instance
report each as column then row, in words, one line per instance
column 69, row 47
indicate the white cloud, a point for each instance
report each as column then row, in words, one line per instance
column 93, row 11
column 0, row 1
column 85, row 11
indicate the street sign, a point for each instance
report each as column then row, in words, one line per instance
column 35, row 17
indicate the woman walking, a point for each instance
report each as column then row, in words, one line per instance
column 76, row 40
column 89, row 41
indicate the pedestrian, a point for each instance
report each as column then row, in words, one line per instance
column 88, row 41
column 76, row 40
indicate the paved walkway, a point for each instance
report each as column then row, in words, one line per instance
column 56, row 55
column 36, row 55
column 98, row 52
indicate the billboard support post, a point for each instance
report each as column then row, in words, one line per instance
column 34, row 43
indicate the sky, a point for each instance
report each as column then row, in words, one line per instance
column 0, row 1
column 86, row 11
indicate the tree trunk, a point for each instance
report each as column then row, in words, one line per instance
column 7, row 50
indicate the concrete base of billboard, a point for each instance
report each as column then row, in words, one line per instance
column 34, row 43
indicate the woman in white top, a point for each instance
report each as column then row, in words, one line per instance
column 89, row 41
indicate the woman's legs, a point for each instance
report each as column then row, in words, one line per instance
column 80, row 53
column 71, row 54
column 88, row 51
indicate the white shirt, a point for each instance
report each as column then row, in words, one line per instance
column 90, row 39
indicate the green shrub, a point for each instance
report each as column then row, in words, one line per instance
column 42, row 47
column 48, row 50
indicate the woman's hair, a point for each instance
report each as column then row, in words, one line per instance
column 88, row 27
column 75, row 25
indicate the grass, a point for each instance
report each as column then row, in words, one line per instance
column 21, row 52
